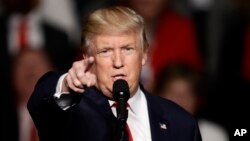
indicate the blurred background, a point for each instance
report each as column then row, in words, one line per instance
column 199, row 57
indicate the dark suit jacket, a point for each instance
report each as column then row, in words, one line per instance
column 92, row 119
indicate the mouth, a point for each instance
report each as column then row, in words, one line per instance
column 118, row 76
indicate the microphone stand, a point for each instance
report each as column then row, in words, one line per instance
column 121, row 95
column 120, row 132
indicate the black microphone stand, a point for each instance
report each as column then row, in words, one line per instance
column 121, row 95
column 120, row 132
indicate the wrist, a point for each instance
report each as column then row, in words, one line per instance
column 65, row 88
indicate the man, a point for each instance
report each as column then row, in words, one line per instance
column 78, row 105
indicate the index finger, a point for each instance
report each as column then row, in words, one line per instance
column 88, row 62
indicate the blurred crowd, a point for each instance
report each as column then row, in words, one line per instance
column 199, row 57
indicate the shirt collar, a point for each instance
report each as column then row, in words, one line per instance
column 134, row 102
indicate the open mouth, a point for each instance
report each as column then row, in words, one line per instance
column 118, row 76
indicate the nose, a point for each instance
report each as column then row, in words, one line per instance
column 117, row 60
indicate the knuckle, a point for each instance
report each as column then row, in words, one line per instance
column 70, row 71
column 70, row 86
column 77, row 83
column 79, row 74
column 76, row 64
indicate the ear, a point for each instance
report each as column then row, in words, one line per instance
column 144, row 57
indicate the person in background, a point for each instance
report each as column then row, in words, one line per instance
column 29, row 65
column 184, row 86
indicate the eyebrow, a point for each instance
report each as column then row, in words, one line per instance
column 127, row 45
column 109, row 47
column 104, row 47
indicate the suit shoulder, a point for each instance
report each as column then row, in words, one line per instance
column 175, row 117
column 49, row 76
column 46, row 85
column 44, row 88
column 173, row 110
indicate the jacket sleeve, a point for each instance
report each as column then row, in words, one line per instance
column 50, row 120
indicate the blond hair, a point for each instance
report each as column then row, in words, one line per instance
column 113, row 20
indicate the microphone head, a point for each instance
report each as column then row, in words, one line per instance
column 121, row 90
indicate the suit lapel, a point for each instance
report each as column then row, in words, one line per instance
column 100, row 102
column 160, row 128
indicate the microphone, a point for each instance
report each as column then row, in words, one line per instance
column 121, row 95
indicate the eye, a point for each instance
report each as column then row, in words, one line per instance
column 128, row 50
column 104, row 52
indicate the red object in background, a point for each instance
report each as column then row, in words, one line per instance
column 246, row 59
column 23, row 33
column 175, row 42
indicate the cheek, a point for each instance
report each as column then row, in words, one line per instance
column 21, row 75
column 134, row 67
column 102, row 70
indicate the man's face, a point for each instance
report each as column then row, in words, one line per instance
column 117, row 57
column 27, row 69
column 180, row 91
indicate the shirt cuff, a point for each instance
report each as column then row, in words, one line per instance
column 59, row 92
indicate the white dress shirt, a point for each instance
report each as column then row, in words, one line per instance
column 138, row 119
column 35, row 38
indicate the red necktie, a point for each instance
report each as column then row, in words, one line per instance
column 130, row 138
column 23, row 33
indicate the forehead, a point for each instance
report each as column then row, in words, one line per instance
column 115, row 40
